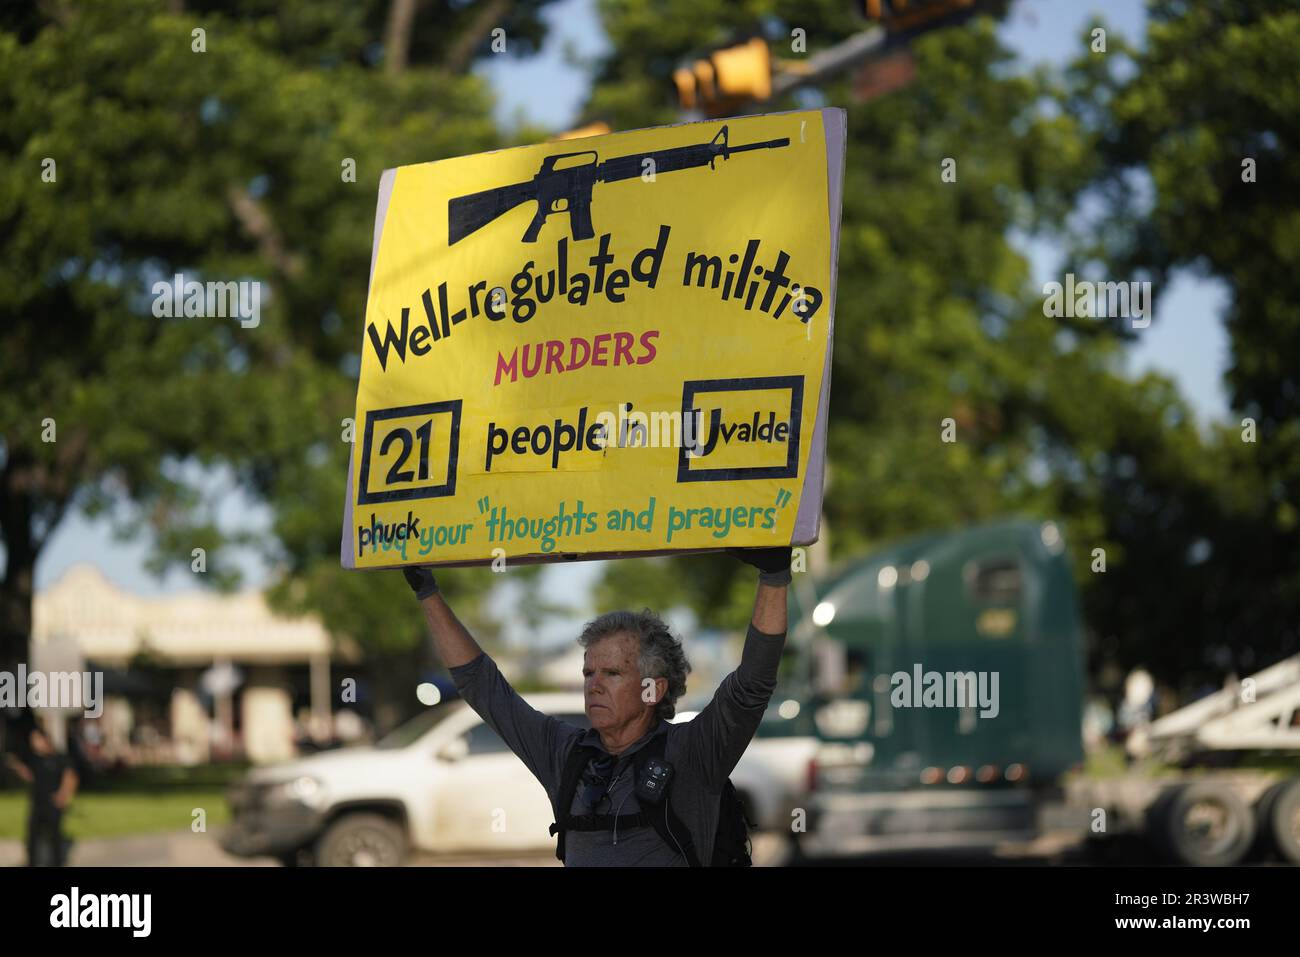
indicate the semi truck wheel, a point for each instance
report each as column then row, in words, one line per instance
column 1205, row 825
column 1263, row 847
column 1279, row 818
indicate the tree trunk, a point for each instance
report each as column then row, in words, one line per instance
column 394, row 679
column 15, row 603
column 489, row 16
column 16, row 588
column 397, row 36
column 16, row 612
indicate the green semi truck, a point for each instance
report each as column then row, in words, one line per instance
column 943, row 681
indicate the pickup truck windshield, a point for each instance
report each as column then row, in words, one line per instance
column 416, row 728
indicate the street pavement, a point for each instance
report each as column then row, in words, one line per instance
column 186, row 849
column 168, row 849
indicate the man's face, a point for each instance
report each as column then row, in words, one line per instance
column 612, row 682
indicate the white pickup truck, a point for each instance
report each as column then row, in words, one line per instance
column 446, row 782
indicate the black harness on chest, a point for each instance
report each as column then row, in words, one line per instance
column 653, row 777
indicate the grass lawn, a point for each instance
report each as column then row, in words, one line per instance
column 135, row 801
column 1105, row 762
column 1108, row 762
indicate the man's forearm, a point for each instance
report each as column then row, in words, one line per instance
column 454, row 644
column 19, row 768
column 770, row 614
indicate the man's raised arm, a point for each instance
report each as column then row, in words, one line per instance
column 455, row 645
column 770, row 611
column 719, row 735
column 534, row 737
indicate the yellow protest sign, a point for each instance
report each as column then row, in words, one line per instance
column 606, row 346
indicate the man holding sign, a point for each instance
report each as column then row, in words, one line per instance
column 634, row 789
column 607, row 349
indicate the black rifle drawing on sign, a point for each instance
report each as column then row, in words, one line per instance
column 569, row 189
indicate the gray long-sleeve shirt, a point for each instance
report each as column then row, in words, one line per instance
column 702, row 751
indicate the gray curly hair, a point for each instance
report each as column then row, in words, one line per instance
column 660, row 654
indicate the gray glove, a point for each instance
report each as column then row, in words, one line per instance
column 420, row 578
column 773, row 564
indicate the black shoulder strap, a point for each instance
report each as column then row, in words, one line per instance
column 574, row 765
column 667, row 824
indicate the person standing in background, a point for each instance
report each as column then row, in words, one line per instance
column 53, row 785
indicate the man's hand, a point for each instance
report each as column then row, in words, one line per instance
column 420, row 578
column 19, row 768
column 773, row 564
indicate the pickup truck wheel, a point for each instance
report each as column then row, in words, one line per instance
column 1205, row 825
column 361, row 840
column 1281, row 817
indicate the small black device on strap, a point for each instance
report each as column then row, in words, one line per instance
column 654, row 779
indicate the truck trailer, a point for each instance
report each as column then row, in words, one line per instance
column 943, row 680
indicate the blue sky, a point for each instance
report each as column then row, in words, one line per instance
column 1186, row 340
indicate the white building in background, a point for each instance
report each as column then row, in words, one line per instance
column 250, row 665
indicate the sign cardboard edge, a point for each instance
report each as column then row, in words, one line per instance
column 346, row 545
column 807, row 524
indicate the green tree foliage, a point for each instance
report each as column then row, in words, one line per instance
column 936, row 318
column 1193, row 141
column 227, row 164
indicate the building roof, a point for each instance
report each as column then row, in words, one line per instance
column 110, row 626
